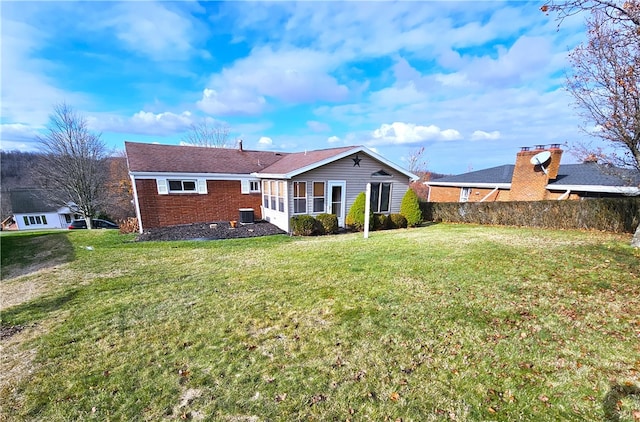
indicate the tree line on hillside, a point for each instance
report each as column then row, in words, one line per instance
column 17, row 172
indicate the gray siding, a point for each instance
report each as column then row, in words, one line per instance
column 356, row 178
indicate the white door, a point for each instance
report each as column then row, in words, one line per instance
column 336, row 199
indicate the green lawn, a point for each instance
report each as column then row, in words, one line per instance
column 445, row 322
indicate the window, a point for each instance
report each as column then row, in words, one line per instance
column 380, row 197
column 281, row 196
column 34, row 220
column 299, row 197
column 182, row 186
column 265, row 194
column 67, row 218
column 464, row 194
column 254, row 186
column 272, row 195
column 318, row 197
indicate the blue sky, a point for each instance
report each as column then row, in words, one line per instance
column 471, row 82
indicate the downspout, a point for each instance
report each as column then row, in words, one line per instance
column 564, row 195
column 489, row 194
column 135, row 202
column 428, row 192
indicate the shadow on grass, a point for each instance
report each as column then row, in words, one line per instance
column 36, row 310
column 26, row 252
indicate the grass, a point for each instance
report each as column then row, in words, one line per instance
column 446, row 322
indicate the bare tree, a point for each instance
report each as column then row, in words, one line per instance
column 208, row 134
column 73, row 164
column 417, row 162
column 606, row 75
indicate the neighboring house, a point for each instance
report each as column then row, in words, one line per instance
column 175, row 185
column 526, row 181
column 32, row 210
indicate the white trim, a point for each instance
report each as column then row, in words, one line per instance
column 208, row 176
column 470, row 185
column 623, row 190
column 488, row 195
column 336, row 158
column 136, row 204
column 343, row 199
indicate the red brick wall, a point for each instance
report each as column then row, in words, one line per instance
column 452, row 194
column 221, row 203
column 529, row 182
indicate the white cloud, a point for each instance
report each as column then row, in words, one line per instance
column 151, row 29
column 399, row 133
column 333, row 139
column 318, row 126
column 480, row 135
column 142, row 122
column 231, row 102
column 292, row 76
column 18, row 137
column 265, row 142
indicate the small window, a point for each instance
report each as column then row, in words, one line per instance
column 26, row 220
column 380, row 197
column 254, row 186
column 265, row 194
column 273, row 192
column 318, row 197
column 67, row 218
column 464, row 194
column 182, row 185
column 281, row 196
column 299, row 197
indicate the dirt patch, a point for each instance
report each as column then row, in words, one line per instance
column 210, row 231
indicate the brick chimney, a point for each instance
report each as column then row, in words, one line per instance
column 529, row 181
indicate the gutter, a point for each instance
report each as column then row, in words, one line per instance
column 135, row 202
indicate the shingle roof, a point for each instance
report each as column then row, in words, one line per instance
column 586, row 174
column 296, row 161
column 500, row 174
column 592, row 174
column 25, row 201
column 189, row 159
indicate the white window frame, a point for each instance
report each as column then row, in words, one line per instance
column 280, row 196
column 35, row 220
column 323, row 209
column 296, row 198
column 376, row 208
column 265, row 194
column 465, row 193
column 182, row 183
column 254, row 186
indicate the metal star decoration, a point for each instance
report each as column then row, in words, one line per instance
column 356, row 161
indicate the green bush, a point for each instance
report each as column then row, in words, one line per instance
column 381, row 222
column 398, row 221
column 355, row 216
column 329, row 223
column 410, row 208
column 618, row 215
column 305, row 225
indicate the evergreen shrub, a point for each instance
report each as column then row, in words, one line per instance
column 355, row 216
column 329, row 223
column 398, row 221
column 410, row 208
column 305, row 225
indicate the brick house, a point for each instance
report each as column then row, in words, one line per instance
column 175, row 185
column 532, row 180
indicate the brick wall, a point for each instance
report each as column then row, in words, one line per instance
column 452, row 194
column 529, row 181
column 220, row 204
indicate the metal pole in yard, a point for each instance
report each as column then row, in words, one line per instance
column 367, row 209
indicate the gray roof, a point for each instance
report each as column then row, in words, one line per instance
column 592, row 174
column 500, row 174
column 586, row 174
column 25, row 201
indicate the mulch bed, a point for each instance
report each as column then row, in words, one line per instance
column 210, row 231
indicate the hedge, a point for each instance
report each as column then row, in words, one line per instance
column 618, row 215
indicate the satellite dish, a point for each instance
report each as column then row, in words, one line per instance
column 540, row 158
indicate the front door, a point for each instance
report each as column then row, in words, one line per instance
column 336, row 202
